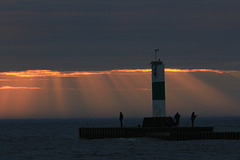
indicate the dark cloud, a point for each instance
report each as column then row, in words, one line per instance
column 98, row 35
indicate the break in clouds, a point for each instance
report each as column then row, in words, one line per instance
column 55, row 94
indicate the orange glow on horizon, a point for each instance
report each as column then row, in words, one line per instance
column 198, row 70
column 10, row 87
column 50, row 73
column 64, row 94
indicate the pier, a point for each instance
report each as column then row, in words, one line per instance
column 179, row 133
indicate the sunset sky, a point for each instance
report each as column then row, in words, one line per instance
column 90, row 58
column 54, row 94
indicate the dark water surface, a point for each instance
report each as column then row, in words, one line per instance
column 58, row 139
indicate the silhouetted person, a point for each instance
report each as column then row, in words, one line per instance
column 193, row 117
column 177, row 118
column 121, row 119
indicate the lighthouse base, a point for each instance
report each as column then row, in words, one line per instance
column 158, row 122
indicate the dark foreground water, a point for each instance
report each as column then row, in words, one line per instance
column 58, row 139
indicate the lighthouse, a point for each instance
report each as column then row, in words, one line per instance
column 158, row 89
column 159, row 118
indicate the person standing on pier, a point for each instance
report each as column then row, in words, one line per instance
column 193, row 117
column 177, row 118
column 121, row 119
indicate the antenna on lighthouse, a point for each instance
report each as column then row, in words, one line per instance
column 156, row 53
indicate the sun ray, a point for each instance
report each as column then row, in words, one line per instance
column 59, row 96
column 20, row 94
column 46, row 93
column 97, row 94
column 198, row 95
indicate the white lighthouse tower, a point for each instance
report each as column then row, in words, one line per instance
column 158, row 87
column 158, row 118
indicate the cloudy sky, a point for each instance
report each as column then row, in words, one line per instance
column 64, row 58
column 102, row 35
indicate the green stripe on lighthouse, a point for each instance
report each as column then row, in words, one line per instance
column 158, row 90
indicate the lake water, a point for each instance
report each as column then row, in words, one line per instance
column 58, row 139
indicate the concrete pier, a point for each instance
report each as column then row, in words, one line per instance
column 204, row 136
column 158, row 127
column 174, row 133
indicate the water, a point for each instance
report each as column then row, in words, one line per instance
column 58, row 139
